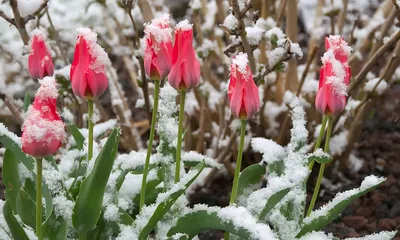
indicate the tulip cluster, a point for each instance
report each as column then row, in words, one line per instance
column 177, row 62
column 43, row 130
column 102, row 205
column 331, row 96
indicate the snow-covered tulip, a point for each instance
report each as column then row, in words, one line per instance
column 243, row 96
column 334, row 77
column 40, row 63
column 157, row 55
column 185, row 71
column 88, row 76
column 157, row 65
column 43, row 130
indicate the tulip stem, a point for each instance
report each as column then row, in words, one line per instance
column 150, row 146
column 322, row 168
column 319, row 139
column 237, row 169
column 182, row 94
column 90, row 126
column 39, row 198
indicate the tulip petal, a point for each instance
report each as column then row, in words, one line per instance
column 97, row 82
column 163, row 59
column 175, row 76
column 251, row 97
column 79, row 82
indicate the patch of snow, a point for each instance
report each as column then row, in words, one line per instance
column 381, row 85
column 254, row 35
column 184, row 25
column 230, row 22
column 194, row 156
column 241, row 61
column 271, row 151
column 338, row 143
column 5, row 132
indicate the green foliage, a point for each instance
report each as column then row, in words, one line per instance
column 78, row 137
column 322, row 221
column 27, row 101
column 167, row 203
column 11, row 178
column 9, row 144
column 250, row 176
column 89, row 202
column 54, row 227
column 195, row 222
column 16, row 229
column 26, row 208
column 272, row 201
column 320, row 159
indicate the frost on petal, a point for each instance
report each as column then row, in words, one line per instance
column 99, row 56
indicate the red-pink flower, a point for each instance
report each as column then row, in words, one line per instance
column 185, row 71
column 334, row 77
column 40, row 63
column 243, row 96
column 88, row 76
column 43, row 131
column 157, row 55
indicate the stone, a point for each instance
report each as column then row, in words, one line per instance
column 386, row 224
column 355, row 222
column 365, row 211
column 395, row 211
column 382, row 211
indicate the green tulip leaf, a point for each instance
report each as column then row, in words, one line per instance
column 12, row 142
column 319, row 219
column 166, row 203
column 319, row 156
column 250, row 176
column 272, row 201
column 78, row 137
column 26, row 208
column 15, row 228
column 11, row 178
column 54, row 227
column 88, row 204
column 27, row 101
column 215, row 218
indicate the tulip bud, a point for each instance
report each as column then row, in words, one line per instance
column 40, row 63
column 88, row 75
column 157, row 55
column 243, row 96
column 334, row 77
column 185, row 71
column 43, row 130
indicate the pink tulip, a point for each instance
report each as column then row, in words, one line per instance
column 334, row 77
column 157, row 55
column 40, row 63
column 243, row 96
column 88, row 76
column 185, row 71
column 43, row 131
